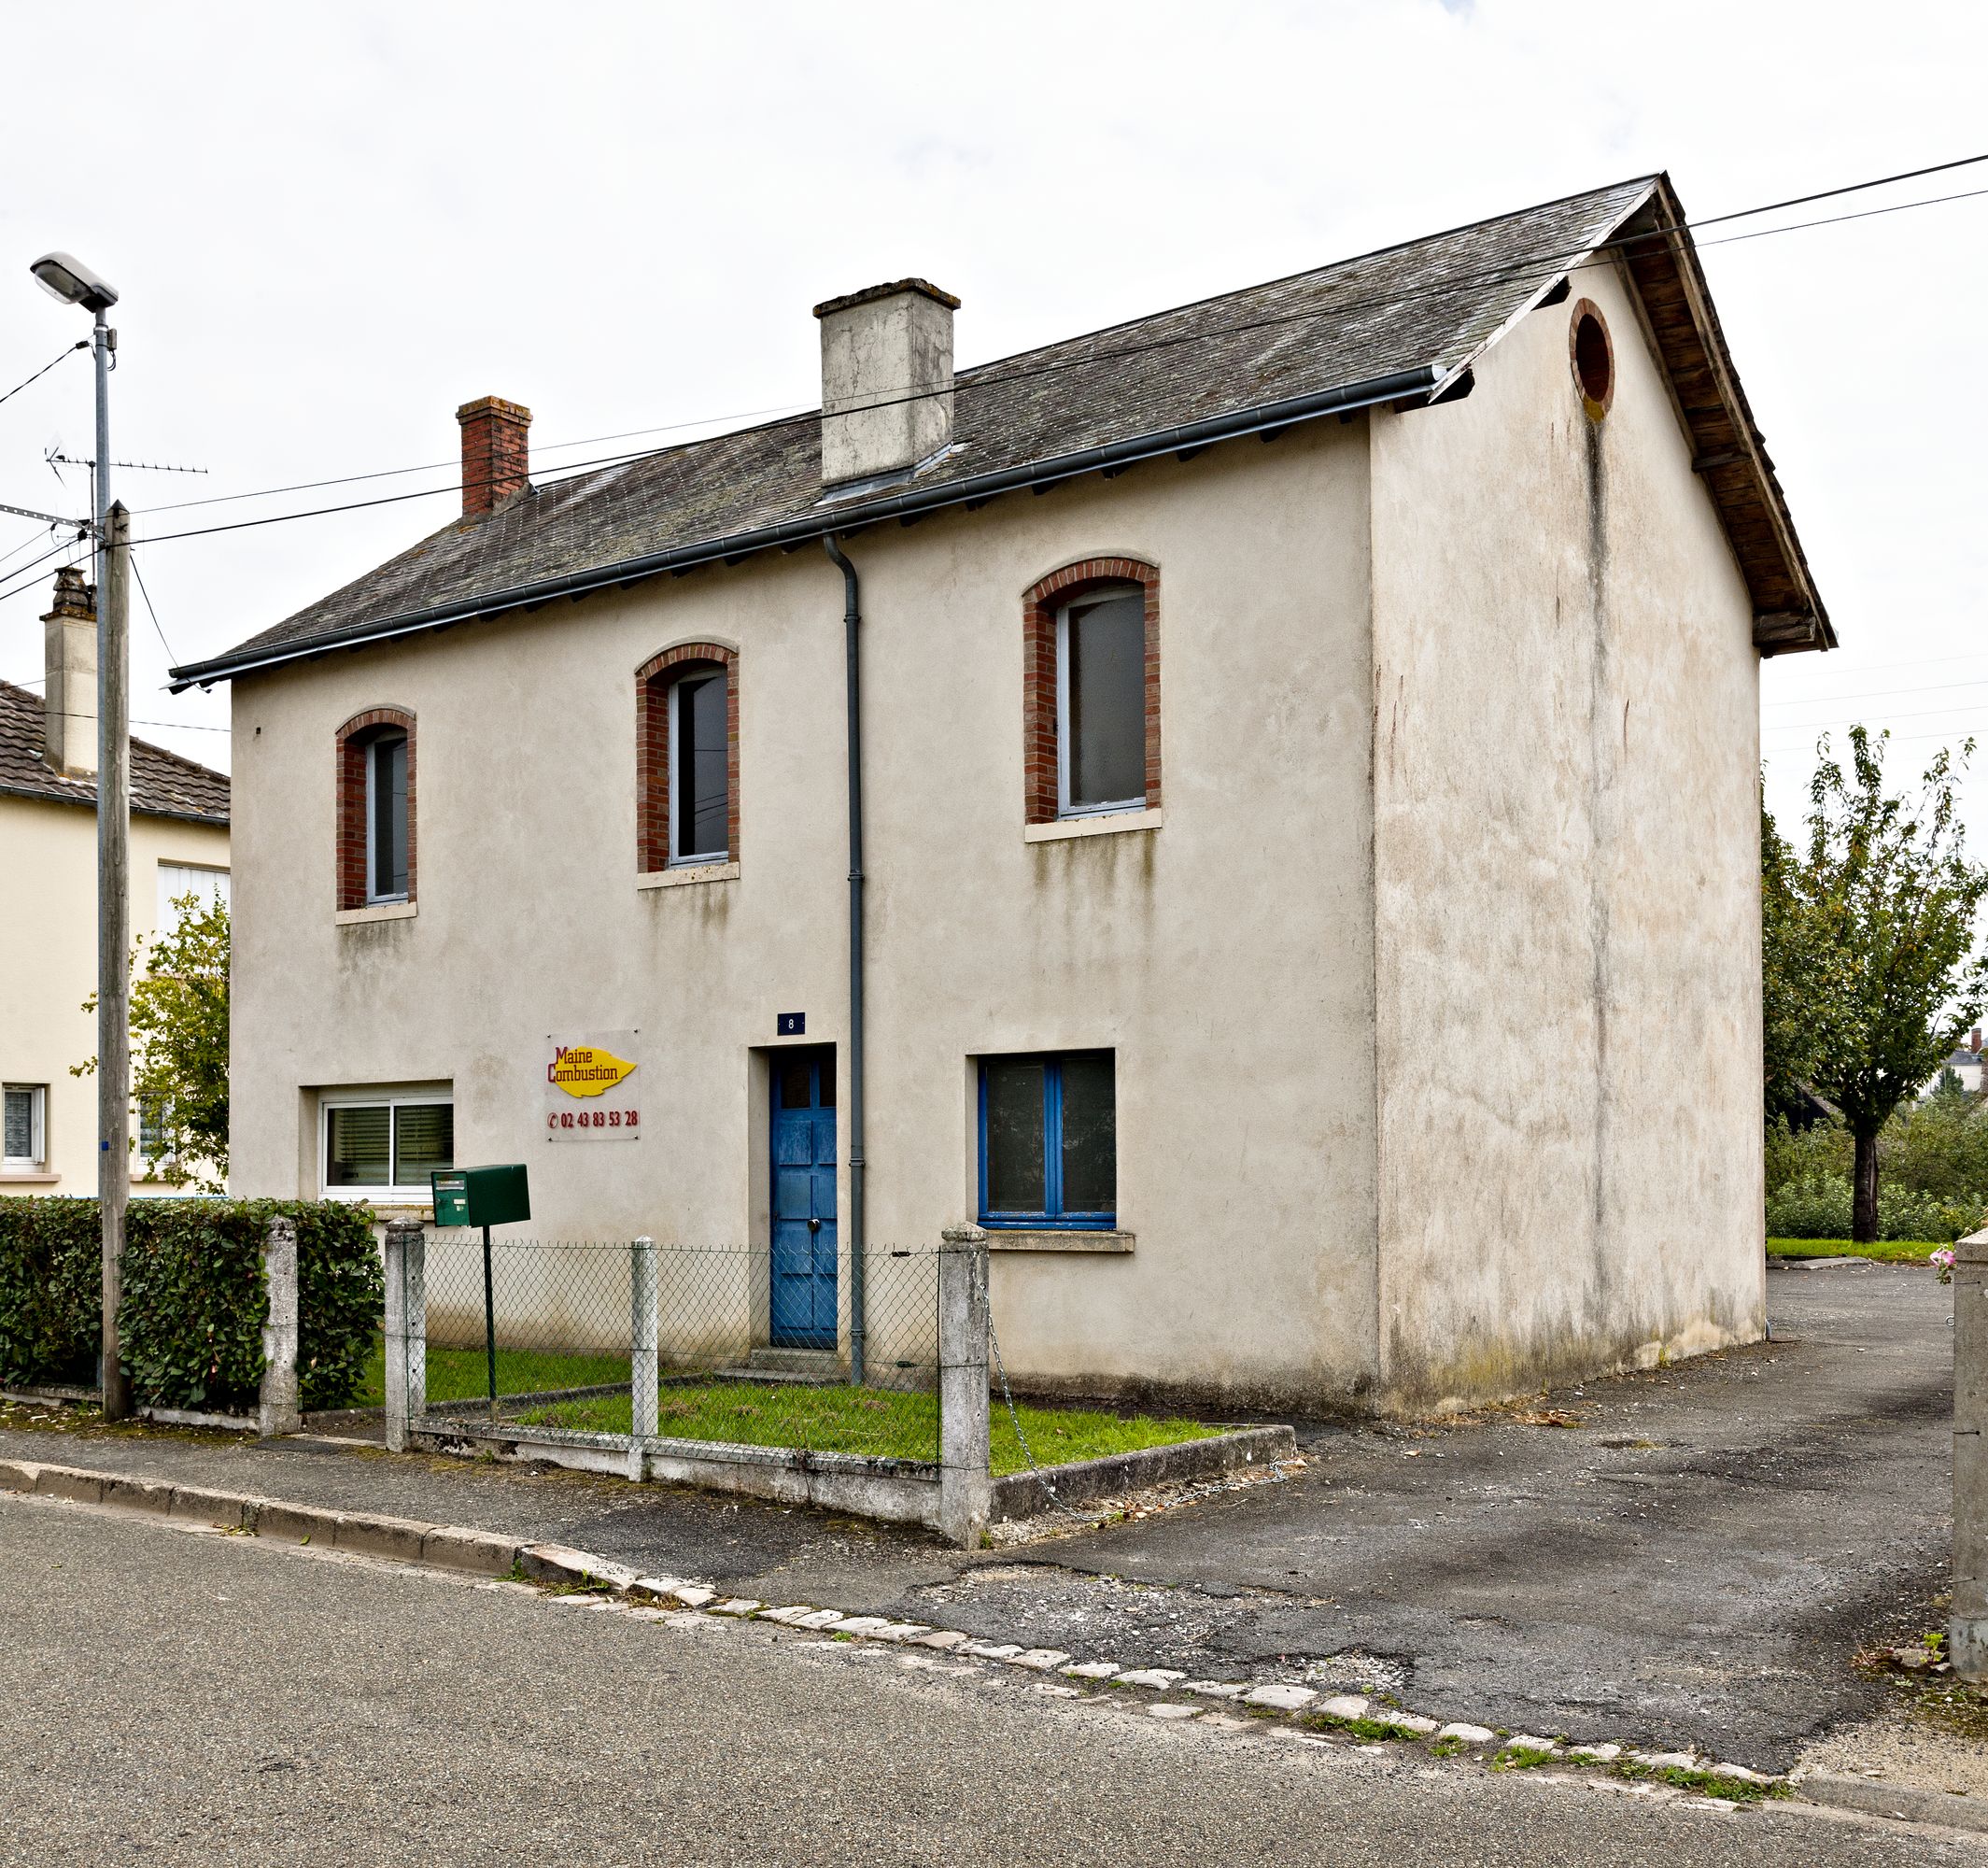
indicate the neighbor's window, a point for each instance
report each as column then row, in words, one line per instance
column 387, row 818
column 386, row 1147
column 1049, row 1139
column 26, row 1110
column 158, row 1140
column 699, row 795
column 176, row 881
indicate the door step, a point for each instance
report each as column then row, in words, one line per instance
column 820, row 1367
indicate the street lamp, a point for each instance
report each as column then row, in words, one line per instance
column 66, row 277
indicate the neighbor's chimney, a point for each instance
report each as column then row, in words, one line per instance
column 886, row 379
column 496, row 455
column 68, row 697
column 1974, row 1041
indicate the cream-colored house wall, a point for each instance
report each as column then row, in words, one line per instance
column 1566, row 853
column 48, row 962
column 1224, row 954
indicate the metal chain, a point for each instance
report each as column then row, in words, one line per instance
column 993, row 1342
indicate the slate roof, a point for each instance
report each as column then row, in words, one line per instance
column 162, row 784
column 1406, row 320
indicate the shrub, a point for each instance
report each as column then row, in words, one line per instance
column 341, row 1293
column 51, row 1291
column 1822, row 1152
column 1820, row 1209
column 195, row 1299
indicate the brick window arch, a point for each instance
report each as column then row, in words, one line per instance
column 1046, row 692
column 659, row 838
column 360, row 856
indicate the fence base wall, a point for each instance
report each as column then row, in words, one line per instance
column 898, row 1491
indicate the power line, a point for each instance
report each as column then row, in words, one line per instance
column 1852, row 719
column 436, row 466
column 169, row 658
column 80, row 344
column 574, row 469
column 1882, row 693
column 1508, row 272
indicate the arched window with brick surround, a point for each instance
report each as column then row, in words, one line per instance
column 376, row 808
column 687, row 757
column 1091, row 701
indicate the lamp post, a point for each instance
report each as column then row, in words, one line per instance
column 68, row 278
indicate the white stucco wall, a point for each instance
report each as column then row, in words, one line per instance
column 1225, row 956
column 47, row 963
column 1566, row 852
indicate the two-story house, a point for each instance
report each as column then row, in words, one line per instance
column 49, row 885
column 1064, row 794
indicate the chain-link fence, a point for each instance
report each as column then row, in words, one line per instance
column 752, row 1349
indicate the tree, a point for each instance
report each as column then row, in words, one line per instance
column 1869, row 954
column 179, row 1044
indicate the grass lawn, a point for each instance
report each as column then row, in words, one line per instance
column 1887, row 1251
column 881, row 1422
column 460, row 1374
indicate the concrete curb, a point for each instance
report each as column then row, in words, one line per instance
column 1028, row 1494
column 1872, row 1796
column 364, row 1533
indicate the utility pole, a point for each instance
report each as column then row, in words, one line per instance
column 64, row 276
column 113, row 1010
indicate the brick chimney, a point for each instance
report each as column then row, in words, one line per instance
column 69, row 695
column 881, row 350
column 1974, row 1041
column 496, row 455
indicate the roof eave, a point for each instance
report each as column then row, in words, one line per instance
column 1730, row 454
column 1416, row 383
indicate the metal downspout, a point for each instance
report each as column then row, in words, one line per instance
column 852, row 617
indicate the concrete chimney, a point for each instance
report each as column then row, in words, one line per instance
column 886, row 379
column 496, row 453
column 69, row 695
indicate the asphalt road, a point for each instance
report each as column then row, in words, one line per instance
column 1695, row 1563
column 184, row 1698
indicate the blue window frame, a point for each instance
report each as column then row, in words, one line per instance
column 1048, row 1140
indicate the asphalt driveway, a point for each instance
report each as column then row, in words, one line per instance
column 1694, row 1561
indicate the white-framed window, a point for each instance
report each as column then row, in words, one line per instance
column 382, row 1145
column 176, row 881
column 387, row 818
column 157, row 1140
column 1101, row 701
column 699, row 800
column 24, row 1126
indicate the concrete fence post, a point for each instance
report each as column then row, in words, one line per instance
column 279, row 1410
column 1967, row 1632
column 406, row 1329
column 966, row 1486
column 641, row 1357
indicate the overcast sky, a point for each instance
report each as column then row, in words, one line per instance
column 332, row 224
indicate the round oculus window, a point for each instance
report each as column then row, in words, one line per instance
column 1593, row 356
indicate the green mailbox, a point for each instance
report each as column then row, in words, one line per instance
column 485, row 1197
column 480, row 1196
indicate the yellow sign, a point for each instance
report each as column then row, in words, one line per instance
column 586, row 1070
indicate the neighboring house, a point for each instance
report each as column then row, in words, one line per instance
column 1246, row 692
column 47, row 858
column 1964, row 1062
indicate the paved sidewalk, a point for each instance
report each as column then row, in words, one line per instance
column 1694, row 1563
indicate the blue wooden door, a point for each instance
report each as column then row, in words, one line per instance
column 804, row 1230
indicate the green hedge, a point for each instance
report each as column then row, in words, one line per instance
column 195, row 1297
column 1817, row 1207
